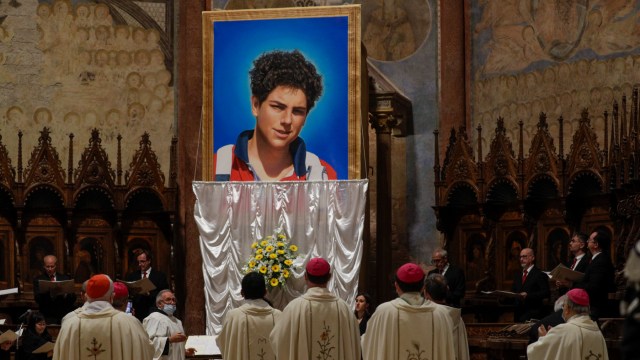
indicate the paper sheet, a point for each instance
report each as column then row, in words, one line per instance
column 142, row 286
column 204, row 344
column 9, row 291
column 56, row 287
column 45, row 348
column 8, row 336
column 562, row 272
column 502, row 293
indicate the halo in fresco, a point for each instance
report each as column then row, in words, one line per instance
column 395, row 29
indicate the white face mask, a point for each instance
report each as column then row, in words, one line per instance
column 169, row 309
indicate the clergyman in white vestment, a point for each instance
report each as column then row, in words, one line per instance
column 435, row 289
column 409, row 326
column 245, row 330
column 165, row 330
column 579, row 338
column 317, row 325
column 100, row 332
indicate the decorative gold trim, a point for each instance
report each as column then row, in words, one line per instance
column 355, row 92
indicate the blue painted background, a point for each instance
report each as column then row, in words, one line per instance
column 323, row 41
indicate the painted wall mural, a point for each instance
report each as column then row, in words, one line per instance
column 551, row 56
column 78, row 66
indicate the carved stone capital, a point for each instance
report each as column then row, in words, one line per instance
column 383, row 123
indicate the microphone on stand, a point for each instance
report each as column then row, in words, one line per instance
column 22, row 319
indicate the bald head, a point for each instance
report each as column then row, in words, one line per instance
column 527, row 258
column 50, row 264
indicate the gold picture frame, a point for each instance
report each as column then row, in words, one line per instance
column 328, row 36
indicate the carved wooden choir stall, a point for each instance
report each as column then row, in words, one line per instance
column 490, row 207
column 90, row 216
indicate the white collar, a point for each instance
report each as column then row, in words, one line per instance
column 96, row 306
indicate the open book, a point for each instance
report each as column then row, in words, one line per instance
column 204, row 344
column 142, row 286
column 562, row 272
column 8, row 336
column 502, row 293
column 45, row 348
column 56, row 287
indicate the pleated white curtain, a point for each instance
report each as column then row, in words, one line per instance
column 323, row 218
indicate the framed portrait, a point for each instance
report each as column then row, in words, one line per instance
column 236, row 41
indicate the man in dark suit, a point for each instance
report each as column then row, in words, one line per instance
column 599, row 278
column 142, row 303
column 453, row 274
column 52, row 306
column 533, row 287
column 578, row 248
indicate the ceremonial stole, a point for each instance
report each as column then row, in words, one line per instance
column 96, row 340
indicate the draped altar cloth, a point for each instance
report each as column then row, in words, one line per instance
column 323, row 218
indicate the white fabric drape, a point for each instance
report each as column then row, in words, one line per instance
column 323, row 218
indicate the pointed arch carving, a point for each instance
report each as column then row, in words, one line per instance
column 501, row 160
column 44, row 165
column 88, row 201
column 94, row 167
column 7, row 172
column 540, row 197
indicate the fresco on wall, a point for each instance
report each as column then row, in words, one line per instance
column 556, row 57
column 391, row 29
column 394, row 29
column 72, row 67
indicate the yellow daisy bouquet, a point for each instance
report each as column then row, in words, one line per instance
column 273, row 257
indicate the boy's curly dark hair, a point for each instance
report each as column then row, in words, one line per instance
column 291, row 69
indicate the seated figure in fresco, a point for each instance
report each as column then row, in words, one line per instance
column 513, row 259
column 475, row 265
column 83, row 268
column 284, row 88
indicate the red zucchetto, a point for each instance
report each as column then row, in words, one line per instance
column 318, row 267
column 578, row 297
column 98, row 286
column 410, row 273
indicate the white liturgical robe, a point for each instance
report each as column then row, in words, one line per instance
column 316, row 325
column 577, row 339
column 100, row 332
column 460, row 342
column 160, row 327
column 245, row 331
column 409, row 327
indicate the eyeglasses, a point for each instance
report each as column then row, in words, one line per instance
column 435, row 261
